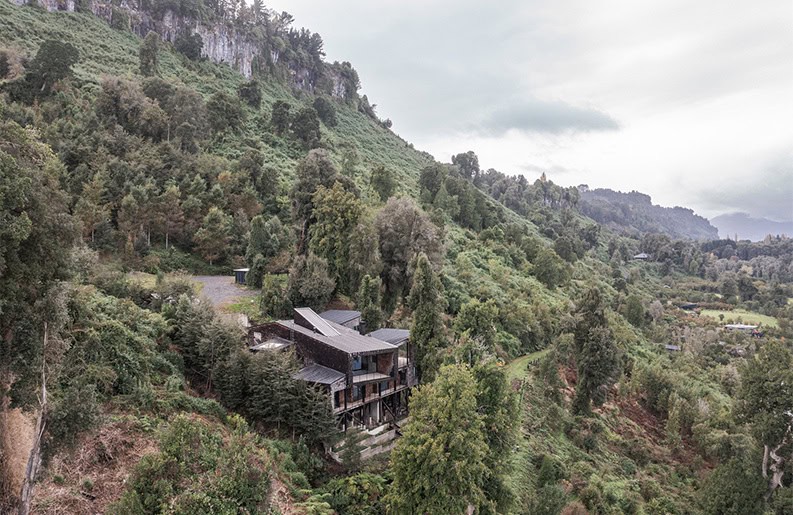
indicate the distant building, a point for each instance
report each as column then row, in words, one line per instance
column 672, row 348
column 688, row 306
column 641, row 257
column 367, row 379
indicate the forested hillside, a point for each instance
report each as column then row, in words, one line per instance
column 558, row 375
column 634, row 213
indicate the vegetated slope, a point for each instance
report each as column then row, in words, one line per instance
column 746, row 227
column 634, row 213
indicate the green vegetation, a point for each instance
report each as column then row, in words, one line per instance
column 123, row 160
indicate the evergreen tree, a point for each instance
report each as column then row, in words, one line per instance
column 280, row 117
column 427, row 333
column 369, row 303
column 336, row 214
column 214, row 235
column 383, row 182
column 225, row 112
column 169, row 213
column 90, row 208
column 148, row 55
column 439, row 463
column 274, row 303
column 315, row 170
column 251, row 93
column 596, row 354
column 325, row 111
column 364, row 252
column 305, row 126
column 309, row 282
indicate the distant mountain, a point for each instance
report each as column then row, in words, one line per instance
column 634, row 213
column 748, row 228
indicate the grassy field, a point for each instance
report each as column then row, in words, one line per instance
column 516, row 369
column 741, row 316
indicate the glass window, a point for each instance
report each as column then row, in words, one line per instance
column 357, row 363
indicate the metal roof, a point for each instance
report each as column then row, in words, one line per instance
column 319, row 323
column 346, row 339
column 392, row 336
column 340, row 316
column 319, row 374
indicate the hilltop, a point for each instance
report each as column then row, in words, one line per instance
column 749, row 228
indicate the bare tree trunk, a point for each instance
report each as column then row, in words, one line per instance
column 765, row 461
column 166, row 240
column 34, row 461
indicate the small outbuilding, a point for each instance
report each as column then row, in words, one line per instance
column 672, row 348
column 741, row 327
column 239, row 275
column 641, row 257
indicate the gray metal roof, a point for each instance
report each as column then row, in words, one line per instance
column 319, row 323
column 346, row 339
column 319, row 374
column 340, row 316
column 392, row 336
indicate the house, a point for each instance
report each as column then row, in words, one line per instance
column 688, row 306
column 345, row 317
column 367, row 379
column 672, row 348
column 641, row 257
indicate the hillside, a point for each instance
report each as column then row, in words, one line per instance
column 749, row 228
column 132, row 160
column 634, row 213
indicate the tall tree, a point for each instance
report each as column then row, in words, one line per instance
column 364, row 252
column 214, row 235
column 90, row 208
column 315, row 170
column 336, row 214
column 439, row 463
column 765, row 401
column 280, row 117
column 405, row 231
column 596, row 354
column 468, row 164
column 427, row 332
column 148, row 55
column 305, row 126
column 169, row 212
column 369, row 303
column 267, row 238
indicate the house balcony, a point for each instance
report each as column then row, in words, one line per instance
column 370, row 378
column 369, row 398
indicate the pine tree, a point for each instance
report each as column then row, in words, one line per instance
column 369, row 303
column 596, row 354
column 169, row 212
column 427, row 302
column 439, row 463
column 213, row 237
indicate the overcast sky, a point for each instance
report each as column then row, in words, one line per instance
column 690, row 102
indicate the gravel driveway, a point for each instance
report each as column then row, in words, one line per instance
column 221, row 289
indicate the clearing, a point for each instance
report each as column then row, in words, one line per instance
column 516, row 369
column 741, row 316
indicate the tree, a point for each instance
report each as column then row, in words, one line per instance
column 765, row 401
column 634, row 310
column 468, row 163
column 439, row 463
column 427, row 302
column 267, row 238
column 169, row 212
column 90, row 209
column 280, row 117
column 148, row 54
column 479, row 320
column 214, row 235
column 309, row 282
column 550, row 269
column 336, row 213
column 225, row 112
column 405, row 231
column 251, row 93
column 53, row 62
column 596, row 355
column 256, row 272
column 498, row 405
column 733, row 488
column 364, row 252
column 369, row 303
column 305, row 126
column 189, row 44
column 315, row 170
column 274, row 302
column 383, row 182
column 325, row 111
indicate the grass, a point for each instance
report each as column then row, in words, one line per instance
column 517, row 368
column 741, row 316
column 248, row 306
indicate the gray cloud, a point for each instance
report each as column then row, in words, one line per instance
column 546, row 116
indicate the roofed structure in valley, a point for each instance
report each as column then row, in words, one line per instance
column 335, row 335
column 340, row 316
column 315, row 373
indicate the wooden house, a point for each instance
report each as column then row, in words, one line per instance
column 367, row 379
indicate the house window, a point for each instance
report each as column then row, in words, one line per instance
column 357, row 392
column 383, row 386
column 357, row 363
